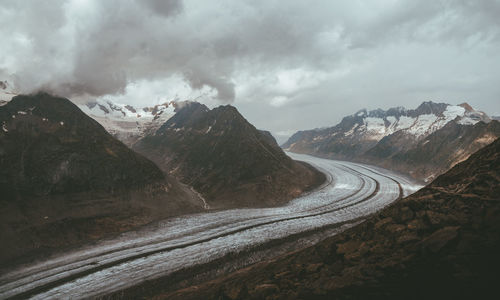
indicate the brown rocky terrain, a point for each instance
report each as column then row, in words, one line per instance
column 439, row 243
column 64, row 180
column 226, row 159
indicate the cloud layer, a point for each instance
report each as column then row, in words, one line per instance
column 286, row 64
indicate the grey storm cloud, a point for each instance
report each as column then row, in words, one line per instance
column 267, row 57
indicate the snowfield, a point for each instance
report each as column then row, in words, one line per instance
column 352, row 191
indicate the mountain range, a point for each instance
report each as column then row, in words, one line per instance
column 439, row 243
column 67, row 180
column 225, row 158
column 422, row 142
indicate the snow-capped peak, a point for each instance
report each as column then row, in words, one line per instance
column 126, row 122
column 110, row 110
column 428, row 117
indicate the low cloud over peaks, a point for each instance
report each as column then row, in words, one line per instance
column 288, row 57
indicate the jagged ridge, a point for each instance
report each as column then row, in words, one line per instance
column 396, row 138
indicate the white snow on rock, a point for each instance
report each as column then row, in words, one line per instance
column 422, row 125
column 429, row 123
column 376, row 128
column 7, row 92
column 126, row 122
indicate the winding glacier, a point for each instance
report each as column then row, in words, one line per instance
column 352, row 191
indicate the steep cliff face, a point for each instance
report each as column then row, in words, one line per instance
column 226, row 159
column 64, row 179
column 439, row 243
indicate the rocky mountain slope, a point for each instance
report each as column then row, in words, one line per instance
column 423, row 142
column 439, row 243
column 226, row 159
column 64, row 179
column 435, row 154
column 128, row 123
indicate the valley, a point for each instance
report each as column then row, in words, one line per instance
column 352, row 192
column 248, row 150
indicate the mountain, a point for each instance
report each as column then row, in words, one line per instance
column 436, row 153
column 402, row 139
column 7, row 91
column 64, row 179
column 128, row 123
column 359, row 132
column 226, row 159
column 439, row 243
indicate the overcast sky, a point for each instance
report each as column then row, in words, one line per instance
column 286, row 65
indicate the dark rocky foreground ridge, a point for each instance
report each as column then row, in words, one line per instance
column 226, row 159
column 64, row 180
column 439, row 243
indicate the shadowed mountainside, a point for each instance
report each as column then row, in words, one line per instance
column 65, row 180
column 226, row 159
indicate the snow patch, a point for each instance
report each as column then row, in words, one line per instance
column 375, row 128
column 467, row 121
column 126, row 122
column 422, row 125
column 452, row 111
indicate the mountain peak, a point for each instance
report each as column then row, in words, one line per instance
column 224, row 157
column 359, row 132
column 466, row 106
column 65, row 136
column 431, row 108
column 48, row 107
column 361, row 113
